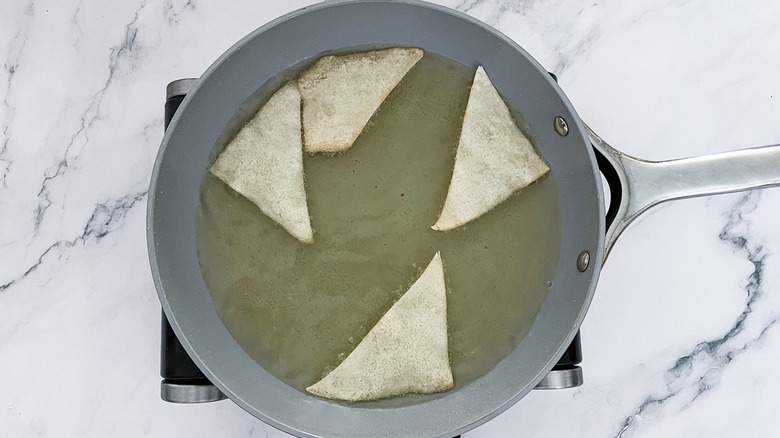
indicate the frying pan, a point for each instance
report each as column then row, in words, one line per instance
column 576, row 155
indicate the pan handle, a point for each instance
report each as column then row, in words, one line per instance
column 636, row 184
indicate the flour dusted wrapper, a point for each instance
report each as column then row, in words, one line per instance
column 494, row 159
column 405, row 352
column 264, row 163
column 341, row 93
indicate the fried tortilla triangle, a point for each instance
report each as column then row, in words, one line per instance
column 340, row 93
column 264, row 163
column 405, row 352
column 494, row 159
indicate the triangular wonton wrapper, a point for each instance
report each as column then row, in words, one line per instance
column 340, row 93
column 494, row 159
column 405, row 352
column 264, row 162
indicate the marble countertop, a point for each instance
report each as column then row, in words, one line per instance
column 681, row 338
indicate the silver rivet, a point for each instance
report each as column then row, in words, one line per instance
column 583, row 260
column 561, row 127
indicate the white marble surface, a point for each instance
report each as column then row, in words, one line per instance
column 681, row 339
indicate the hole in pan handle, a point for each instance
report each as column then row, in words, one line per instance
column 636, row 185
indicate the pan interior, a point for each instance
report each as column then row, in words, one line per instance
column 304, row 36
column 298, row 309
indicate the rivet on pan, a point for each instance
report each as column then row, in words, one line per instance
column 583, row 260
column 561, row 127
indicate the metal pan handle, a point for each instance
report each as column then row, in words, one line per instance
column 636, row 184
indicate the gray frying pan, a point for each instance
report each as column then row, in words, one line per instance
column 575, row 155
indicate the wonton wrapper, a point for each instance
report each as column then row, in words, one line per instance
column 494, row 158
column 405, row 352
column 265, row 163
column 340, row 93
